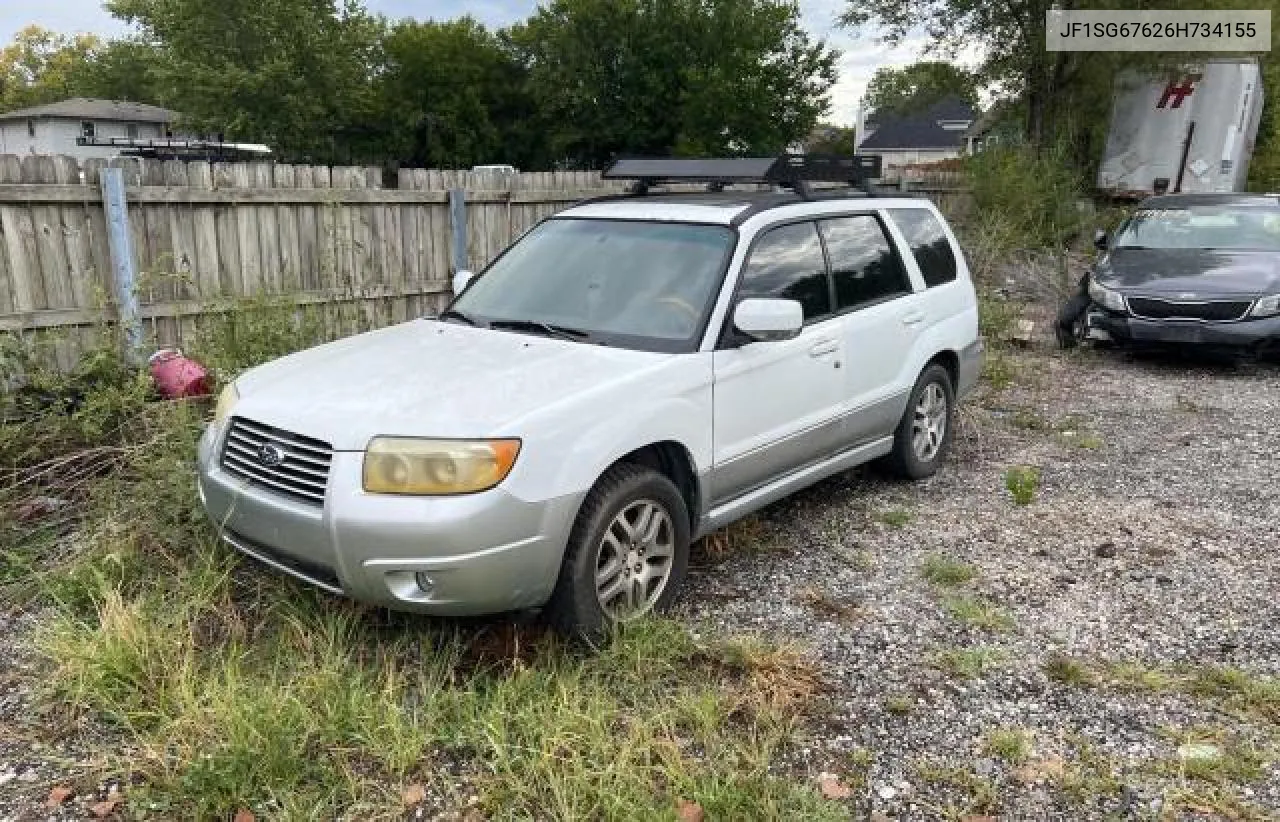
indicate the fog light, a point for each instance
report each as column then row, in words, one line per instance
column 425, row 583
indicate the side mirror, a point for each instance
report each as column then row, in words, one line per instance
column 766, row 320
column 461, row 280
column 1100, row 240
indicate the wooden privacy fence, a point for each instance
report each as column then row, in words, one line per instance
column 202, row 236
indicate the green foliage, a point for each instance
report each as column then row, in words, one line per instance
column 978, row 613
column 41, row 66
column 1013, row 745
column 451, row 95
column 1069, row 671
column 913, row 88
column 947, row 571
column 693, row 77
column 1026, row 199
column 968, row 663
column 1022, row 482
column 296, row 74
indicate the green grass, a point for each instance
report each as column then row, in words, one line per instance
column 968, row 663
column 227, row 686
column 947, row 572
column 1013, row 745
column 894, row 517
column 1022, row 482
column 979, row 797
column 978, row 613
column 999, row 370
column 1069, row 671
column 899, row 704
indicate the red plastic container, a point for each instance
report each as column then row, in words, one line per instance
column 176, row 376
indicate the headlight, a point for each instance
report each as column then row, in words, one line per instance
column 401, row 465
column 1266, row 306
column 226, row 401
column 1105, row 297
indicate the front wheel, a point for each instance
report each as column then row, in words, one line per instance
column 924, row 435
column 627, row 553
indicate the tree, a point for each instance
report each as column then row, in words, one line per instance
column 913, row 88
column 296, row 74
column 40, row 66
column 452, row 96
column 671, row 76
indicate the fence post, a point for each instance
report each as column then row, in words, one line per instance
column 123, row 276
column 458, row 222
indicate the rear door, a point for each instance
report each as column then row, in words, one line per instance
column 880, row 320
column 778, row 404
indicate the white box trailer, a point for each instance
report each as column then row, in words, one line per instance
column 1192, row 133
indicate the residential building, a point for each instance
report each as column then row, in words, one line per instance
column 53, row 128
column 937, row 133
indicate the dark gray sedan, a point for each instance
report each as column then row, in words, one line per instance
column 1185, row 269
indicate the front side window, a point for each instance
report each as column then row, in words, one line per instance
column 787, row 262
column 863, row 262
column 928, row 242
column 631, row 283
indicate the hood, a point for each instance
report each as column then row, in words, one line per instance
column 1203, row 273
column 428, row 379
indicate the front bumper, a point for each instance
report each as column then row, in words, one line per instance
column 1257, row 334
column 484, row 553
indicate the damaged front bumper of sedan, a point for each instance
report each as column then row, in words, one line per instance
column 1260, row 335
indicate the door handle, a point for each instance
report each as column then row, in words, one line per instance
column 914, row 318
column 823, row 347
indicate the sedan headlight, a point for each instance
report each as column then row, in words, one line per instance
column 1105, row 297
column 226, row 401
column 1267, row 306
column 402, row 465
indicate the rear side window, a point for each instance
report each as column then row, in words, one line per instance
column 929, row 244
column 863, row 263
column 787, row 262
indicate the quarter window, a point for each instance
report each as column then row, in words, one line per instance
column 929, row 244
column 863, row 262
column 787, row 262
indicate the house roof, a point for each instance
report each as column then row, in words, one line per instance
column 922, row 130
column 86, row 108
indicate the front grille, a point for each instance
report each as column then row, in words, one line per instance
column 1214, row 311
column 302, row 473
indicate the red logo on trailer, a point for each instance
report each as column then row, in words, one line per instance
column 1176, row 92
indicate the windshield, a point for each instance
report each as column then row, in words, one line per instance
column 1237, row 228
column 635, row 284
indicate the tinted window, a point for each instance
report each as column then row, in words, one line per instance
column 787, row 262
column 929, row 244
column 863, row 262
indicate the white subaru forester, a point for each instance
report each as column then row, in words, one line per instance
column 633, row 373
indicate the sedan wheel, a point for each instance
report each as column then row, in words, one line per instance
column 634, row 560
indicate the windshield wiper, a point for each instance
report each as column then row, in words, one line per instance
column 560, row 331
column 455, row 314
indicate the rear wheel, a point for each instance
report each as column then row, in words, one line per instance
column 627, row 554
column 924, row 434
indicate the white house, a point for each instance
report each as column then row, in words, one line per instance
column 53, row 128
column 937, row 133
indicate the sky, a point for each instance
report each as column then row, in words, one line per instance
column 862, row 55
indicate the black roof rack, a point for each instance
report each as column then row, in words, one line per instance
column 794, row 171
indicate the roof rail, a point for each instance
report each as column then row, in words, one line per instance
column 794, row 171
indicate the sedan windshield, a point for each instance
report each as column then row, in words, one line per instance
column 635, row 284
column 1236, row 228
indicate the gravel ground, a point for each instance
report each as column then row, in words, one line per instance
column 1149, row 542
column 1153, row 546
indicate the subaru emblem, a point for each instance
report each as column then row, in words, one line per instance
column 270, row 455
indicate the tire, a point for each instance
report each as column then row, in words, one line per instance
column 905, row 460
column 617, row 503
column 1070, row 326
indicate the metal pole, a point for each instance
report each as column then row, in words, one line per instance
column 458, row 221
column 123, row 275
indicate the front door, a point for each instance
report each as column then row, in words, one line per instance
column 778, row 404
